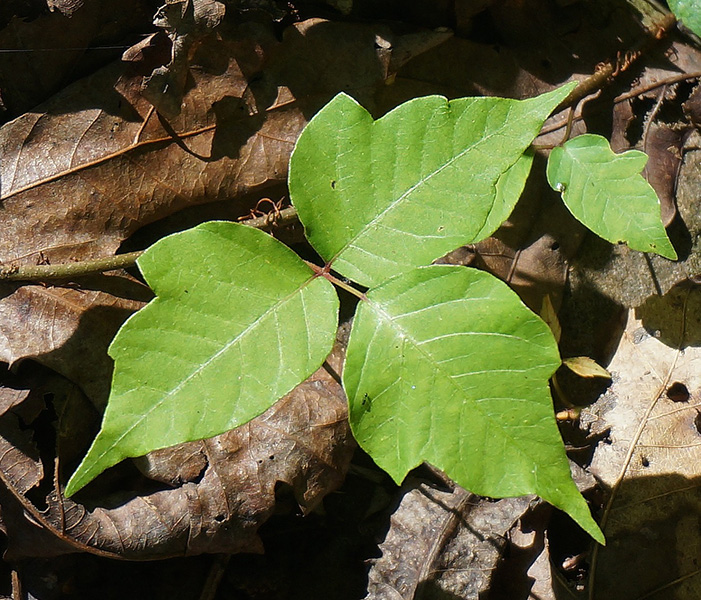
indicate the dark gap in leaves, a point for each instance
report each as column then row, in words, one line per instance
column 680, row 237
column 592, row 323
column 697, row 421
column 567, row 540
column 194, row 215
column 640, row 106
column 678, row 392
column 484, row 31
column 81, row 576
column 671, row 111
column 319, row 555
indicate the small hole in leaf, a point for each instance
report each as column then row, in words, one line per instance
column 697, row 421
column 271, row 457
column 555, row 246
column 645, row 462
column 333, row 184
column 219, row 518
column 678, row 392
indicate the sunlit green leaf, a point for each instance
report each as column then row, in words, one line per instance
column 689, row 12
column 239, row 320
column 607, row 193
column 380, row 197
column 445, row 364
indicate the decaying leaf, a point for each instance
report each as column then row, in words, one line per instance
column 186, row 22
column 649, row 461
column 442, row 543
column 585, row 366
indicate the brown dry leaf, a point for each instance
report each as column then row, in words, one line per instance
column 664, row 145
column 222, row 495
column 649, row 462
column 186, row 21
column 68, row 329
column 96, row 163
column 442, row 544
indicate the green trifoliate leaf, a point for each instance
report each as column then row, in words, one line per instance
column 378, row 198
column 445, row 364
column 688, row 12
column 607, row 193
column 239, row 320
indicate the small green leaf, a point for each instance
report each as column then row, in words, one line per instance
column 445, row 364
column 689, row 12
column 378, row 198
column 606, row 192
column 239, row 320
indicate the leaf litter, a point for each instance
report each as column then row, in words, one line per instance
column 648, row 460
column 429, row 73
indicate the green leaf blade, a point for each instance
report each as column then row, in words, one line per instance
column 689, row 12
column 445, row 364
column 239, row 320
column 606, row 192
column 378, row 198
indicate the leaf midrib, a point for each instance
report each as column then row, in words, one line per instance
column 408, row 337
column 226, row 347
column 423, row 180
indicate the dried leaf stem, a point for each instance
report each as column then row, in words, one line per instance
column 72, row 270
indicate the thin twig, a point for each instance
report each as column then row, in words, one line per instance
column 120, row 261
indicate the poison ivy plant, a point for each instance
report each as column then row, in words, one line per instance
column 607, row 193
column 444, row 363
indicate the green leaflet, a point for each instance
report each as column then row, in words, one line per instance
column 606, row 192
column 445, row 364
column 239, row 320
column 378, row 198
column 689, row 12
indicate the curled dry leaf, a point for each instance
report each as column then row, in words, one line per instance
column 442, row 543
column 186, row 22
column 649, row 462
